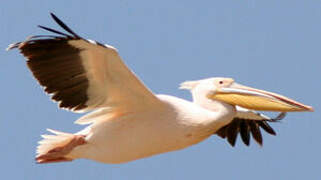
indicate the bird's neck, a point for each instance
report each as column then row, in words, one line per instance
column 222, row 113
column 216, row 106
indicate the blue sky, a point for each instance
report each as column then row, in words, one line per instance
column 272, row 45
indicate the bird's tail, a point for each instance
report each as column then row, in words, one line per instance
column 56, row 147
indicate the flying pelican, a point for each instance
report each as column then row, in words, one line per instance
column 127, row 121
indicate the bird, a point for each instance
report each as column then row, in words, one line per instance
column 125, row 120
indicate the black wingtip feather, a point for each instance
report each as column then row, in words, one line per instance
column 245, row 132
column 222, row 132
column 264, row 125
column 246, row 128
column 232, row 131
column 256, row 133
column 54, row 31
column 63, row 25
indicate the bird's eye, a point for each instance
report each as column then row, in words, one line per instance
column 221, row 82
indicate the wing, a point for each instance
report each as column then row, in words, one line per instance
column 83, row 75
column 248, row 122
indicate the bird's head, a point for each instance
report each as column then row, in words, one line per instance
column 225, row 90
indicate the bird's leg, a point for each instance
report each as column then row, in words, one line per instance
column 58, row 154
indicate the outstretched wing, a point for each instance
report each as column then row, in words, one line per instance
column 82, row 74
column 248, row 122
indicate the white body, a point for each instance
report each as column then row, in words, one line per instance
column 128, row 121
column 174, row 125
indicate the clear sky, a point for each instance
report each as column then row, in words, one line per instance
column 272, row 45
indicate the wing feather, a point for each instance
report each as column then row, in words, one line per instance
column 255, row 131
column 264, row 125
column 232, row 132
column 82, row 74
column 247, row 123
column 245, row 132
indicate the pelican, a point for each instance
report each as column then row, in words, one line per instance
column 126, row 121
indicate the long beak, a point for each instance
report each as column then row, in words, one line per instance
column 257, row 99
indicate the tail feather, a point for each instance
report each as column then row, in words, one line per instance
column 49, row 142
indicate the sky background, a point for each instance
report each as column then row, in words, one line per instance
column 271, row 45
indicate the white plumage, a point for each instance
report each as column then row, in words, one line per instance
column 127, row 121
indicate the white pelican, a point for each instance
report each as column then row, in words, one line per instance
column 128, row 121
